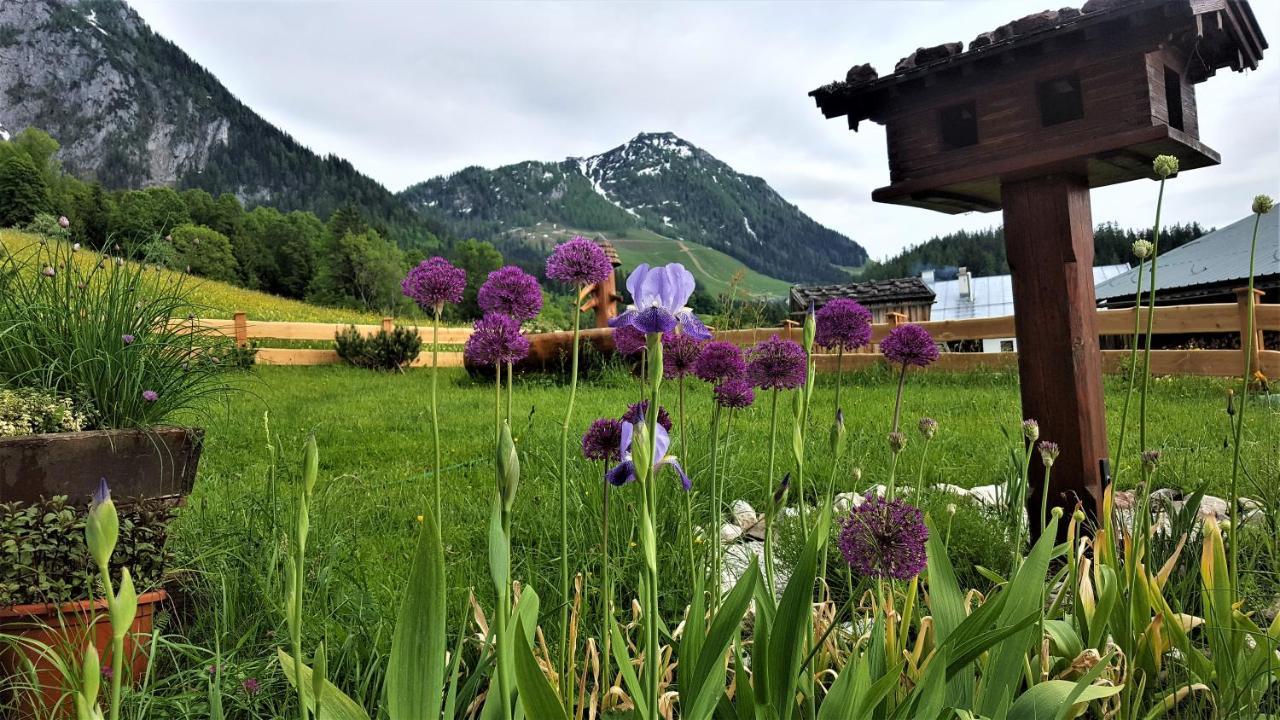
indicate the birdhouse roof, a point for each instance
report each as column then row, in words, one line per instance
column 872, row 293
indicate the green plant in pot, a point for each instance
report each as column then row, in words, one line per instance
column 54, row 603
column 118, row 342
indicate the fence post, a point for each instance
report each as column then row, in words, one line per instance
column 1247, row 305
column 241, row 324
column 386, row 324
column 896, row 318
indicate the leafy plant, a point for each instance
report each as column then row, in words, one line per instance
column 27, row 412
column 382, row 350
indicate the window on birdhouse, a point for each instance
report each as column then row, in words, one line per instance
column 959, row 125
column 1060, row 100
column 1173, row 98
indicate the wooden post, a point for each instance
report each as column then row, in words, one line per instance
column 386, row 324
column 1248, row 306
column 1049, row 240
column 895, row 318
column 240, row 322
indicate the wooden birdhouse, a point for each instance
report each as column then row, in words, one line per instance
column 1027, row 120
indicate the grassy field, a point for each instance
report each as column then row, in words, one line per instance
column 220, row 300
column 373, row 431
column 713, row 270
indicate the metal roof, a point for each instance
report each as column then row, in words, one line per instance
column 990, row 296
column 1222, row 256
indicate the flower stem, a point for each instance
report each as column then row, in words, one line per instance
column 652, row 646
column 768, row 494
column 606, row 591
column 924, row 455
column 717, row 518
column 688, row 496
column 502, row 613
column 1133, row 371
column 1250, row 337
column 839, row 373
column 566, row 683
column 897, row 403
column 435, row 409
column 1151, row 317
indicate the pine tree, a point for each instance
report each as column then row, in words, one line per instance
column 23, row 191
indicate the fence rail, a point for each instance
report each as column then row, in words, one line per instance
column 1178, row 319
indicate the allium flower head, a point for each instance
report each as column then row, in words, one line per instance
column 511, row 291
column 679, row 353
column 1262, row 204
column 928, row 427
column 777, row 364
column 909, row 344
column 843, row 323
column 48, row 271
column 661, row 296
column 636, row 411
column 495, row 340
column 1165, row 165
column 434, row 282
column 897, row 441
column 63, row 222
column 1150, row 460
column 150, row 395
column 1030, row 430
column 1048, row 452
column 250, row 686
column 884, row 539
column 127, row 339
column 625, row 472
column 579, row 262
column 736, row 393
column 1142, row 249
column 603, row 440
column 719, row 361
column 627, row 340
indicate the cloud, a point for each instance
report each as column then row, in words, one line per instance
column 407, row 91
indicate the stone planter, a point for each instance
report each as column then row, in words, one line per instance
column 155, row 463
column 66, row 629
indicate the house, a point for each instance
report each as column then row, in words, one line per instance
column 906, row 296
column 992, row 296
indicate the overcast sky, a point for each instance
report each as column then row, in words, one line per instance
column 410, row 90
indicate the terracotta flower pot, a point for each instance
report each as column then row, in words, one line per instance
column 154, row 463
column 66, row 629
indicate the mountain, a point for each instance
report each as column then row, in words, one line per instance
column 131, row 110
column 655, row 182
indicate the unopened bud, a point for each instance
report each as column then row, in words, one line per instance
column 810, row 329
column 310, row 464
column 1150, row 460
column 897, row 442
column 780, row 492
column 508, row 466
column 928, row 427
column 1165, row 165
column 1262, row 204
column 1048, row 452
column 837, row 435
column 1142, row 249
column 1030, row 430
column 102, row 525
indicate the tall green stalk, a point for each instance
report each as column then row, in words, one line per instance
column 435, row 409
column 1151, row 317
column 694, row 572
column 606, row 588
column 1133, row 370
column 773, row 446
column 566, row 682
column 502, row 614
column 897, row 402
column 716, row 516
column 1260, row 206
column 649, row 514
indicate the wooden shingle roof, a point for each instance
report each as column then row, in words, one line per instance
column 872, row 293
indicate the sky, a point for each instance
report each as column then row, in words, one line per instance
column 410, row 90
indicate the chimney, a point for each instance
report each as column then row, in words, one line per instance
column 966, row 284
column 927, row 277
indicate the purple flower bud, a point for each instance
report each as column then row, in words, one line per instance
column 719, row 361
column 603, row 440
column 1048, row 452
column 127, row 339
column 150, row 395
column 736, row 393
column 63, row 222
column 250, row 686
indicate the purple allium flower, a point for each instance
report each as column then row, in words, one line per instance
column 48, row 271
column 150, row 395
column 627, row 340
column 1150, row 460
column 511, row 291
column 212, row 669
column 679, row 353
column 928, row 427
column 1030, row 430
column 107, row 673
column 63, row 222
column 777, row 364
column 884, row 539
column 127, row 339
column 625, row 472
column 719, row 361
column 635, row 411
column 1048, row 452
column 579, row 262
column 735, row 393
column 897, row 441
column 843, row 323
column 660, row 296
column 909, row 345
column 434, row 282
column 603, row 440
column 251, row 686
column 495, row 340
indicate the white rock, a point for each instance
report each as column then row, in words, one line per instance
column 737, row 558
column 743, row 514
column 990, row 495
column 846, row 501
column 1214, row 506
column 730, row 533
column 953, row 489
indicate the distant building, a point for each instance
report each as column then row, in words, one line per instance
column 1208, row 269
column 992, row 296
column 908, row 296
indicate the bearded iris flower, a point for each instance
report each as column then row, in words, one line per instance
column 660, row 295
column 625, row 472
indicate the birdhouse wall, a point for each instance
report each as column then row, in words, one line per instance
column 1167, row 80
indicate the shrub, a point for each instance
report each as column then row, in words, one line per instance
column 204, row 252
column 381, row 351
column 47, row 226
column 28, row 412
column 113, row 335
column 43, row 558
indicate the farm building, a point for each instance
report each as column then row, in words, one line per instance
column 992, row 296
column 907, row 296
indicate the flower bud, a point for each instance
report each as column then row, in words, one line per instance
column 897, row 442
column 1030, row 430
column 780, row 492
column 1056, row 512
column 1165, row 165
column 1150, row 460
column 928, row 427
column 319, row 669
column 1142, row 249
column 1078, row 515
column 655, row 359
column 508, row 466
column 1262, row 204
column 641, row 453
column 856, row 475
column 837, row 436
column 310, row 464
column 810, row 329
column 951, row 508
column 124, row 607
column 101, row 526
column 63, row 222
column 90, row 674
column 1048, row 453
column 1231, row 402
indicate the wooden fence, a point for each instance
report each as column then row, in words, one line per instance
column 1179, row 319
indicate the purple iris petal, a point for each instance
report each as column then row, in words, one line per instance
column 685, row 482
column 621, row 474
column 654, row 320
column 690, row 325
column 659, row 295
